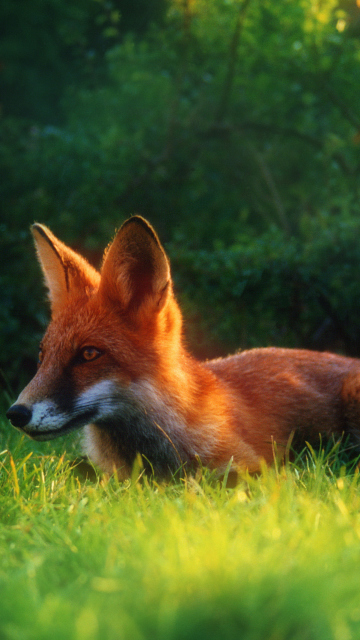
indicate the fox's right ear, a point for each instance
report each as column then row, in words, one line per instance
column 65, row 271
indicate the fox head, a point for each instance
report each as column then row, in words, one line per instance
column 108, row 330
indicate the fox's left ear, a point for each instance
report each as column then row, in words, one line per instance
column 136, row 271
column 65, row 271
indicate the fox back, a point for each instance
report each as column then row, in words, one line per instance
column 113, row 363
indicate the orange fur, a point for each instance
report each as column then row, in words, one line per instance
column 114, row 362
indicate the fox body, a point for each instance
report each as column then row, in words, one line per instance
column 113, row 362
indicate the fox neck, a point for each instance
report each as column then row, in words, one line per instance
column 172, row 420
column 138, row 434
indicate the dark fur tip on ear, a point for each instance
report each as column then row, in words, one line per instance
column 45, row 233
column 39, row 228
column 141, row 222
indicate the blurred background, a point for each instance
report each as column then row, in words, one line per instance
column 232, row 125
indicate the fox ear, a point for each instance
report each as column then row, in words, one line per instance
column 64, row 270
column 136, row 271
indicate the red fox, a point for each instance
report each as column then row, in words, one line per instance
column 113, row 362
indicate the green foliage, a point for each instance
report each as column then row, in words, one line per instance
column 48, row 45
column 272, row 290
column 278, row 556
column 189, row 128
column 232, row 126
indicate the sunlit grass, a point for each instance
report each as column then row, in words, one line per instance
column 278, row 557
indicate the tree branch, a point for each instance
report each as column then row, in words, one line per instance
column 233, row 56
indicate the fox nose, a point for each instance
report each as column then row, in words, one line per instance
column 19, row 415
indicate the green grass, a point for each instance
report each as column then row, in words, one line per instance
column 276, row 558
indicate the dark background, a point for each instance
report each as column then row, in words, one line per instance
column 234, row 127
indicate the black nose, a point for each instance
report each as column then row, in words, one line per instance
column 19, row 415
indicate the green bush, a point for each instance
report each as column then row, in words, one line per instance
column 276, row 291
column 48, row 45
column 233, row 128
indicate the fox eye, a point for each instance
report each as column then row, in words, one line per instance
column 89, row 353
column 40, row 357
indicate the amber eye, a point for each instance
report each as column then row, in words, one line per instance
column 89, row 353
column 40, row 357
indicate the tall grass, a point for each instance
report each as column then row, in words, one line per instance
column 276, row 558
